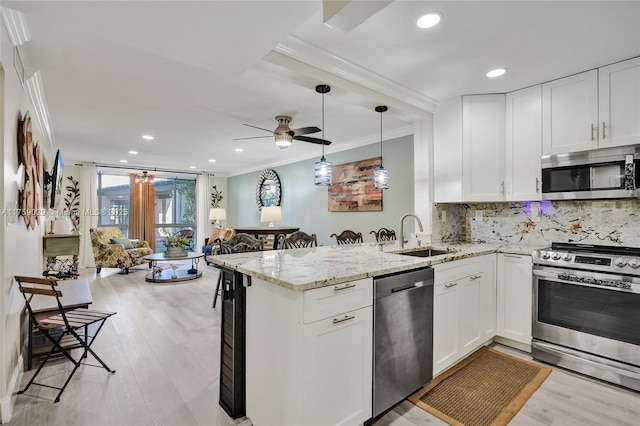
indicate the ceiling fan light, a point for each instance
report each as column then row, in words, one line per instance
column 381, row 178
column 323, row 172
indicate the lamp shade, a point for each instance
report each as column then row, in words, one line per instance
column 271, row 214
column 217, row 214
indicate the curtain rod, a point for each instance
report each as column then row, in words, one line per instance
column 149, row 169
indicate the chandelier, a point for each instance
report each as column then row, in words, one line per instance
column 144, row 178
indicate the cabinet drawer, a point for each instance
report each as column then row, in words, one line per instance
column 457, row 270
column 332, row 300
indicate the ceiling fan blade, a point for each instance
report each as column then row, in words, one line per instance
column 252, row 137
column 259, row 128
column 312, row 140
column 305, row 130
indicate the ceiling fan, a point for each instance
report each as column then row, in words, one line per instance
column 284, row 135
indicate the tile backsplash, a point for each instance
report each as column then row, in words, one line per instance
column 606, row 222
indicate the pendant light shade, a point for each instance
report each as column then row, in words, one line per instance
column 323, row 169
column 381, row 176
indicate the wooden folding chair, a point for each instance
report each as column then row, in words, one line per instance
column 66, row 330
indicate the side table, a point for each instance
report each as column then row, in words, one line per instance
column 55, row 245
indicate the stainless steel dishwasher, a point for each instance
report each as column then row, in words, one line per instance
column 402, row 336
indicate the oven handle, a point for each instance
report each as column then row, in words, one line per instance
column 583, row 280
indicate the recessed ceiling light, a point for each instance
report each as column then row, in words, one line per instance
column 192, row 167
column 148, row 137
column 239, row 149
column 133, row 152
column 212, row 160
column 496, row 73
column 429, row 20
column 123, row 161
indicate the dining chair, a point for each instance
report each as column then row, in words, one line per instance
column 65, row 330
column 348, row 237
column 298, row 239
column 239, row 243
column 384, row 234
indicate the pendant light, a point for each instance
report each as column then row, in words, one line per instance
column 381, row 176
column 323, row 169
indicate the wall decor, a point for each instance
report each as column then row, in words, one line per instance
column 268, row 190
column 72, row 203
column 216, row 196
column 352, row 188
column 29, row 198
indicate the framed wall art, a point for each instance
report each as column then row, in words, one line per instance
column 352, row 188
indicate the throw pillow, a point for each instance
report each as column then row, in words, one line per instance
column 215, row 234
column 124, row 241
column 228, row 234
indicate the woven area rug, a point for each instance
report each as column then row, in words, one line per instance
column 486, row 388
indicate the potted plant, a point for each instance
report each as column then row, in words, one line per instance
column 176, row 245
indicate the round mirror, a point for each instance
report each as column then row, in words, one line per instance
column 268, row 189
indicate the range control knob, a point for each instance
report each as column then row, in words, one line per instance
column 634, row 263
column 545, row 255
column 556, row 256
column 620, row 261
column 566, row 257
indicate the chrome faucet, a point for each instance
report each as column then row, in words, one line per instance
column 402, row 226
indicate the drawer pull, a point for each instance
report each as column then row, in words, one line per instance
column 339, row 320
column 450, row 285
column 336, row 288
column 475, row 277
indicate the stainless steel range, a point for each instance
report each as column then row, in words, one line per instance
column 586, row 310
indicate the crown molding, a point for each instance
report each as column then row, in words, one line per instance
column 15, row 23
column 309, row 54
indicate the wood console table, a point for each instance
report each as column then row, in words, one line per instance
column 61, row 245
column 266, row 230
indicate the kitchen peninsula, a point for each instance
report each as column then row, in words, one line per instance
column 309, row 326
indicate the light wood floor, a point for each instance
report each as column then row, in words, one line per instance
column 164, row 343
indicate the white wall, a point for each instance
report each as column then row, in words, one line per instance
column 20, row 248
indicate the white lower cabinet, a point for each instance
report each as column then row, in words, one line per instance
column 464, row 309
column 309, row 354
column 514, row 297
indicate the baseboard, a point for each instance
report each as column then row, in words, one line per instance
column 512, row 343
column 7, row 403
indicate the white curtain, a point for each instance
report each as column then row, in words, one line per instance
column 88, row 204
column 203, row 197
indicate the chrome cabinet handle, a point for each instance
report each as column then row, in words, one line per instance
column 336, row 288
column 537, row 185
column 339, row 320
column 502, row 184
column 450, row 285
column 594, row 129
column 604, row 127
column 475, row 277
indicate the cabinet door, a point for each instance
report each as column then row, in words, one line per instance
column 469, row 295
column 570, row 114
column 524, row 144
column 483, row 148
column 447, row 151
column 619, row 104
column 514, row 297
column 445, row 326
column 488, row 298
column 338, row 373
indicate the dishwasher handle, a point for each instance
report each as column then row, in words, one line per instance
column 407, row 287
column 396, row 283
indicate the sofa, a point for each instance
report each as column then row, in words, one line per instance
column 112, row 250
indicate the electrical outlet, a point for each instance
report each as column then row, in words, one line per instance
column 479, row 215
column 443, row 217
column 535, row 211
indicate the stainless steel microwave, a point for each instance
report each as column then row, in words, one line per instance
column 601, row 173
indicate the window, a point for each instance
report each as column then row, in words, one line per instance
column 113, row 198
column 175, row 208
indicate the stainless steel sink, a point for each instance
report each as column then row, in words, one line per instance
column 427, row 252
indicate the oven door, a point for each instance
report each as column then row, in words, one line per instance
column 588, row 311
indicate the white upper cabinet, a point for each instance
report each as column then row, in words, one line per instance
column 483, row 147
column 524, row 144
column 570, row 114
column 619, row 105
column 447, row 151
column 593, row 109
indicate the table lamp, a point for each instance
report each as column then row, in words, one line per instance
column 271, row 214
column 217, row 214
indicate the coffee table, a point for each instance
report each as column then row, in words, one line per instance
column 172, row 272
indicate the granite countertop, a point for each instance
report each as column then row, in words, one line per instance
column 307, row 268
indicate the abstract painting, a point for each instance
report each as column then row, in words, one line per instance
column 352, row 188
